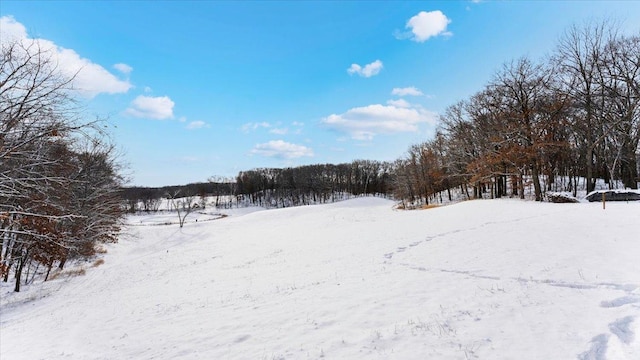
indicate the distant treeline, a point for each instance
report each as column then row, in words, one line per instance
column 273, row 187
column 313, row 184
column 148, row 198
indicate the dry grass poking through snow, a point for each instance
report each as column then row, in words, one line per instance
column 98, row 262
column 68, row 273
column 430, row 206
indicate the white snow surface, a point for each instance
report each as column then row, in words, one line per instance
column 484, row 279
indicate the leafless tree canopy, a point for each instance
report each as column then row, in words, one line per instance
column 58, row 184
column 574, row 115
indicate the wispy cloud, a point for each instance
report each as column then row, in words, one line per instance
column 123, row 68
column 150, row 107
column 279, row 131
column 252, row 126
column 368, row 70
column 364, row 123
column 425, row 25
column 89, row 78
column 198, row 124
column 281, row 150
column 401, row 103
column 407, row 91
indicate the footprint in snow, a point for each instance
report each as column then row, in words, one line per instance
column 622, row 329
column 629, row 299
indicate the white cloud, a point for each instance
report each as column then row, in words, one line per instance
column 281, row 150
column 364, row 123
column 89, row 79
column 150, row 107
column 182, row 119
column 368, row 70
column 11, row 30
column 255, row 126
column 279, row 131
column 426, row 25
column 401, row 103
column 147, row 89
column 297, row 129
column 123, row 68
column 408, row 91
column 199, row 124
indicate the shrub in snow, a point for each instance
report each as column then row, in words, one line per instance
column 561, row 197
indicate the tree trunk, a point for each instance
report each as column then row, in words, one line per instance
column 46, row 277
column 514, row 185
column 62, row 263
column 536, row 182
column 21, row 262
column 590, row 183
column 629, row 169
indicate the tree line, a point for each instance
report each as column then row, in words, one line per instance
column 273, row 187
column 541, row 124
column 59, row 178
column 149, row 199
column 314, row 184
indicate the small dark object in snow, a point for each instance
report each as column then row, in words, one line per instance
column 561, row 197
column 614, row 195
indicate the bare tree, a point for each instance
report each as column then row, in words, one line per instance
column 620, row 78
column 183, row 205
column 579, row 56
column 49, row 211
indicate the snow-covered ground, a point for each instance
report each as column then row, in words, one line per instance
column 486, row 279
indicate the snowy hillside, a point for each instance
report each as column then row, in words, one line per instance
column 491, row 279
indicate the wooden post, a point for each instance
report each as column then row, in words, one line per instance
column 603, row 201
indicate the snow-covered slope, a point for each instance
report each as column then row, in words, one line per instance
column 485, row 279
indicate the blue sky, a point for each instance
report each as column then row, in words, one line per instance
column 194, row 89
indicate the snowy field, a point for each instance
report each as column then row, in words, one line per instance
column 486, row 279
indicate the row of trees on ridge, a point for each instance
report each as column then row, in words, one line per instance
column 547, row 124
